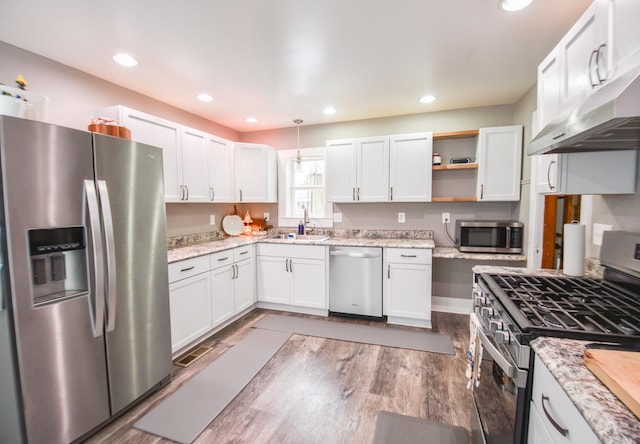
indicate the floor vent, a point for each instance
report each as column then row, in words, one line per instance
column 192, row 356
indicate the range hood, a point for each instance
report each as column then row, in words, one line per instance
column 609, row 119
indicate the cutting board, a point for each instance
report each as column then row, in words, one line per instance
column 619, row 371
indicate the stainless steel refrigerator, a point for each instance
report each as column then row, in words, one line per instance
column 84, row 309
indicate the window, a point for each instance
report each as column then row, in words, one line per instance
column 302, row 185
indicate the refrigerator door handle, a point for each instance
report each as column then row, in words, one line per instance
column 107, row 220
column 96, row 239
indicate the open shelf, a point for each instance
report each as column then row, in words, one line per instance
column 456, row 166
column 466, row 134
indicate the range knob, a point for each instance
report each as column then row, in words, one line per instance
column 496, row 325
column 487, row 312
column 479, row 299
column 503, row 337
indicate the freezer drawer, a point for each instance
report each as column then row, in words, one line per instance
column 355, row 281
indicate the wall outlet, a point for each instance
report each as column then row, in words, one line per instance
column 401, row 218
column 598, row 230
column 212, row 219
column 266, row 218
column 446, row 218
column 337, row 217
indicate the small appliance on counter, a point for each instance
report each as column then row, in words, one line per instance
column 490, row 236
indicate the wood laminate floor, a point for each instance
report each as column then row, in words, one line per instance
column 317, row 390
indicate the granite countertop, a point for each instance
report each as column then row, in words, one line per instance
column 610, row 419
column 182, row 252
column 454, row 253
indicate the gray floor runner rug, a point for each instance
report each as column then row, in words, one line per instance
column 400, row 429
column 387, row 336
column 186, row 413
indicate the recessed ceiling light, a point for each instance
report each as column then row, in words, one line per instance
column 204, row 97
column 329, row 110
column 427, row 99
column 125, row 59
column 514, row 5
column 251, row 120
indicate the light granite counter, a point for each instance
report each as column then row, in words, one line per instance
column 491, row 269
column 454, row 253
column 610, row 419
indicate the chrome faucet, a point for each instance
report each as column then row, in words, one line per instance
column 305, row 221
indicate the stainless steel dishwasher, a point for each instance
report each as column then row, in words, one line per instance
column 355, row 281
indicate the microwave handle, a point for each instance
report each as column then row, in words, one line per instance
column 508, row 237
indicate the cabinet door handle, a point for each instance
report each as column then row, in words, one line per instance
column 593, row 54
column 353, row 193
column 240, row 195
column 358, row 193
column 560, row 429
column 286, row 265
column 212, row 194
column 389, row 271
column 181, row 192
column 551, row 187
column 481, row 191
column 235, row 272
column 187, row 269
column 186, row 187
column 601, row 80
column 391, row 194
column 291, row 265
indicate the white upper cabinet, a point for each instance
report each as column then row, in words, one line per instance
column 357, row 170
column 601, row 46
column 499, row 158
column 380, row 169
column 602, row 172
column 256, row 174
column 220, row 167
column 410, row 161
column 194, row 171
column 341, row 161
column 158, row 132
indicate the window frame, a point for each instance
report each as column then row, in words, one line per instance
column 284, row 190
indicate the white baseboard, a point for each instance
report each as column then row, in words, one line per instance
column 451, row 305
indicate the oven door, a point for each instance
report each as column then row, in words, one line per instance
column 500, row 401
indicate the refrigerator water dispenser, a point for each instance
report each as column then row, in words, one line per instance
column 58, row 263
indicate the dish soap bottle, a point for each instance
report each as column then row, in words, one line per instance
column 300, row 228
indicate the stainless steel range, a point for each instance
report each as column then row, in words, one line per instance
column 514, row 309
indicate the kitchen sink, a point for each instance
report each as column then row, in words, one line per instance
column 312, row 237
column 306, row 237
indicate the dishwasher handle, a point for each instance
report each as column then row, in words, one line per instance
column 353, row 254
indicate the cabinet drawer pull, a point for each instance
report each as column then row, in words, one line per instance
column 244, row 252
column 408, row 255
column 223, row 259
column 561, row 430
column 556, row 137
column 188, row 268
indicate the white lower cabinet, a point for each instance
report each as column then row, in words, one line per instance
column 292, row 275
column 208, row 290
column 232, row 282
column 553, row 417
column 407, row 286
column 189, row 300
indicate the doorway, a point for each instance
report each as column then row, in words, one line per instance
column 558, row 210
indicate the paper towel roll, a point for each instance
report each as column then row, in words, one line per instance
column 573, row 250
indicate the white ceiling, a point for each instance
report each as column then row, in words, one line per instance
column 279, row 60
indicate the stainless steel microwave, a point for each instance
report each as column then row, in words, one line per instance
column 490, row 236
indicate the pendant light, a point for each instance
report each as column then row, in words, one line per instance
column 298, row 156
column 514, row 5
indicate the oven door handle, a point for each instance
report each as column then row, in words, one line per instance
column 519, row 376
